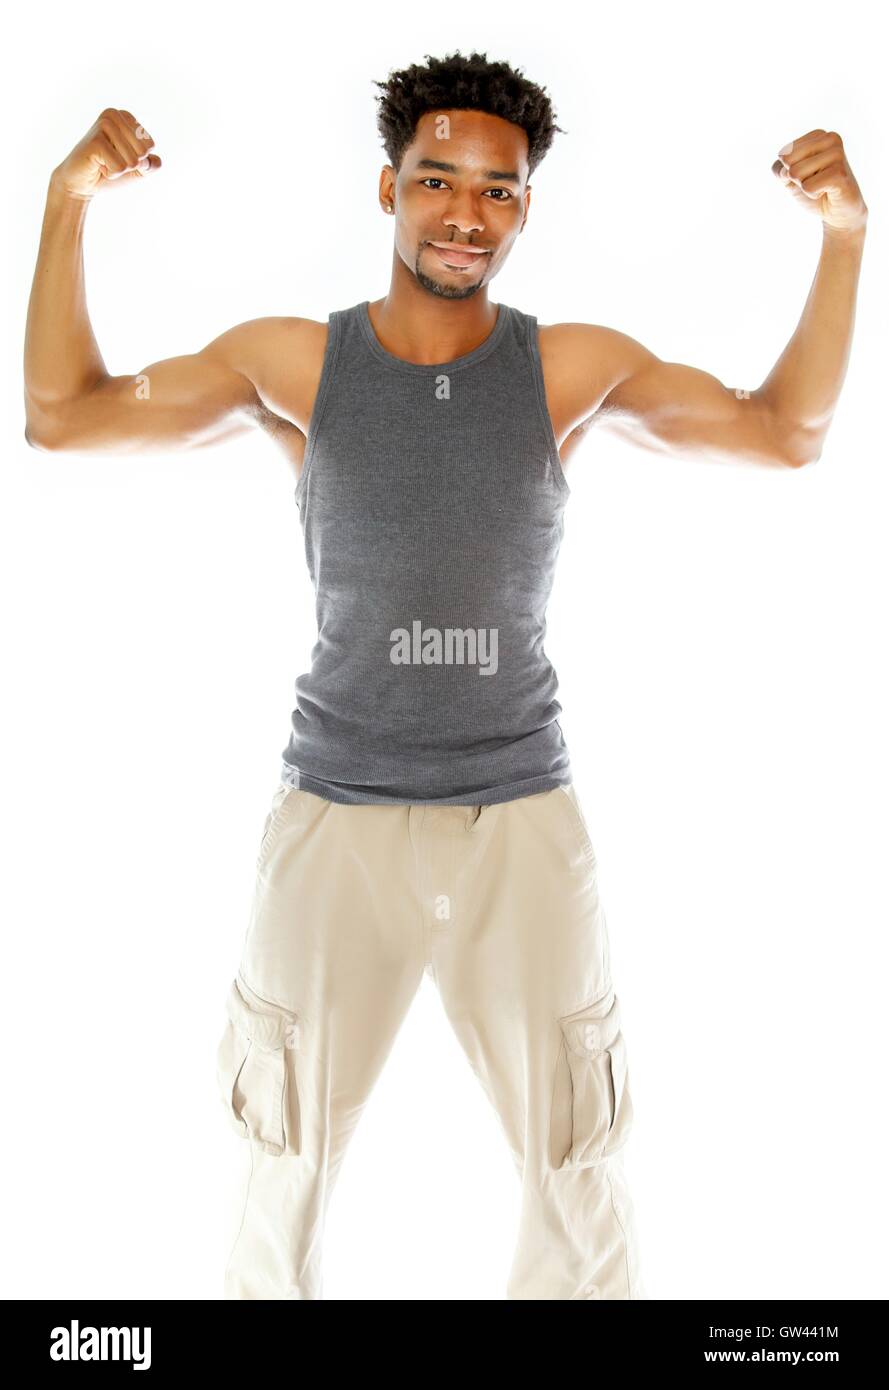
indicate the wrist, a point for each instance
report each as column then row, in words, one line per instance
column 60, row 197
column 846, row 236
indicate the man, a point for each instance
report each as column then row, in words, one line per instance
column 426, row 817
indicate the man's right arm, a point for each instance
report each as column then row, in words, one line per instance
column 72, row 402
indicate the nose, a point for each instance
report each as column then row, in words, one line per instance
column 463, row 214
column 465, row 226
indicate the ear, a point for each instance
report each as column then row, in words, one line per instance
column 387, row 184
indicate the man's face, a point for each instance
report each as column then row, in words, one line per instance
column 460, row 199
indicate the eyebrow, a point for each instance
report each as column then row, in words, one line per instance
column 504, row 175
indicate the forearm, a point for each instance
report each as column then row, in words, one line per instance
column 62, row 357
column 804, row 386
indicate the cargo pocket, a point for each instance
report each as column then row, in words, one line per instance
column 581, row 830
column 592, row 1107
column 254, row 1068
column 282, row 799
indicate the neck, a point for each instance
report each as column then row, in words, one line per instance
column 425, row 328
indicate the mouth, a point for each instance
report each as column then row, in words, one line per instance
column 456, row 257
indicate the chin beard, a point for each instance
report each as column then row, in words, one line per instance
column 446, row 291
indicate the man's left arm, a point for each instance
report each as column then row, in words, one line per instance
column 668, row 406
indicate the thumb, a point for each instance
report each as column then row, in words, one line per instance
column 146, row 164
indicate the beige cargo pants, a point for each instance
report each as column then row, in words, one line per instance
column 500, row 905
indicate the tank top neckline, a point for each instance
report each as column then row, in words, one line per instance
column 431, row 368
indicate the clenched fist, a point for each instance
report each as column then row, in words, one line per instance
column 817, row 172
column 115, row 150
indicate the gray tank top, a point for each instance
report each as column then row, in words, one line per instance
column 431, row 501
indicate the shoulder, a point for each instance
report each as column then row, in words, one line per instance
column 590, row 347
column 582, row 363
column 283, row 356
column 258, row 339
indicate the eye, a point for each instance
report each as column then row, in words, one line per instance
column 432, row 179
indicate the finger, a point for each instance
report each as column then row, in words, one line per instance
column 115, row 128
column 806, row 166
column 139, row 133
column 799, row 170
column 826, row 180
column 782, row 173
column 108, row 158
column 817, row 145
column 803, row 145
column 148, row 164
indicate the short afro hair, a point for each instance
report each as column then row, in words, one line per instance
column 463, row 83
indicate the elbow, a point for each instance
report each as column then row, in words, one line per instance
column 800, row 448
column 802, row 445
column 800, row 460
column 792, row 442
column 43, row 429
column 36, row 439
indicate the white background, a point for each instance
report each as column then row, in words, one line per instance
column 719, row 633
